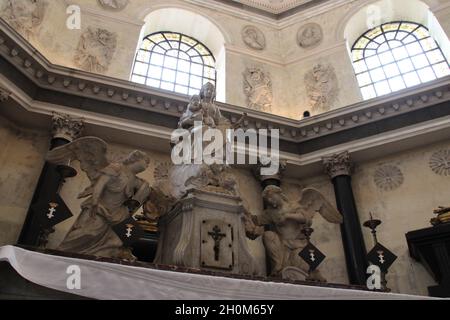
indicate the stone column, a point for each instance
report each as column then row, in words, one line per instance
column 64, row 130
column 339, row 168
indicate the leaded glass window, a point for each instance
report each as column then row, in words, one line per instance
column 395, row 56
column 175, row 62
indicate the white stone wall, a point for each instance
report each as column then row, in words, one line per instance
column 21, row 161
column 286, row 62
column 405, row 208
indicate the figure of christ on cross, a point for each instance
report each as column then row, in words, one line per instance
column 217, row 237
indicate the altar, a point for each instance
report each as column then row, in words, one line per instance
column 103, row 279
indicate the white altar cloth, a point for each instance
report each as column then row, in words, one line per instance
column 101, row 280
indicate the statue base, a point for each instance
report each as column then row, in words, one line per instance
column 205, row 231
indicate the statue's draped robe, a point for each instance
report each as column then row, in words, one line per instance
column 94, row 235
column 284, row 242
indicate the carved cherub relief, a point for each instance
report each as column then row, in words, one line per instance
column 258, row 89
column 95, row 50
column 321, row 87
column 25, row 16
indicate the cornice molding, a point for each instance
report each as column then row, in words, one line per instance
column 278, row 21
column 297, row 58
column 440, row 7
column 43, row 74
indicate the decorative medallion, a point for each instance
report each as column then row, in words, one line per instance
column 309, row 36
column 388, row 177
column 253, row 38
column 440, row 162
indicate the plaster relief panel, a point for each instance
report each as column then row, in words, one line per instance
column 253, row 38
column 321, row 87
column 95, row 50
column 25, row 16
column 258, row 89
column 309, row 36
column 113, row 4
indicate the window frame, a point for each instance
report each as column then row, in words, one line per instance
column 366, row 69
column 148, row 62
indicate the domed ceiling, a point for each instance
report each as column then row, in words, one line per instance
column 273, row 8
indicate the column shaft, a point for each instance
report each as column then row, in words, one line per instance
column 339, row 168
column 354, row 247
column 50, row 181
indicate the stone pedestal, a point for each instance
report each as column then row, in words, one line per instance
column 205, row 231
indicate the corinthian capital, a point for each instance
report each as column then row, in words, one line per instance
column 66, row 127
column 338, row 165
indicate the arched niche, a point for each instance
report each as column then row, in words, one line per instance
column 196, row 26
column 371, row 14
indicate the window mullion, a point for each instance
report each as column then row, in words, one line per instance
column 175, row 70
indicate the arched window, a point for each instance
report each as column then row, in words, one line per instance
column 395, row 56
column 173, row 61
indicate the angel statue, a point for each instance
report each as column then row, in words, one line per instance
column 281, row 227
column 113, row 187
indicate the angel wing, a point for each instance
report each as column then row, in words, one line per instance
column 313, row 201
column 89, row 151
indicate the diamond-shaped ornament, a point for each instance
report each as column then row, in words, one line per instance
column 52, row 211
column 312, row 256
column 381, row 257
column 128, row 231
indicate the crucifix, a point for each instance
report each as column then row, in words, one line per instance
column 129, row 230
column 312, row 255
column 51, row 210
column 217, row 237
column 381, row 256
